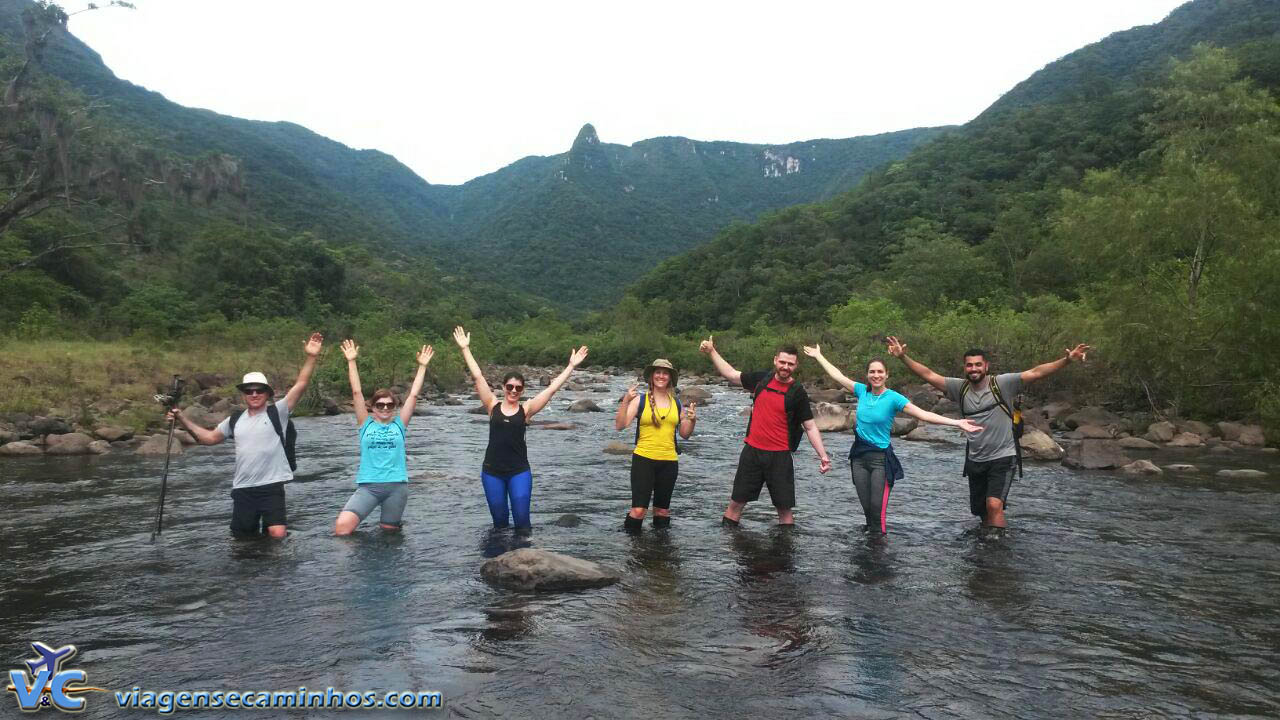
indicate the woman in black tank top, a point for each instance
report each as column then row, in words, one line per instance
column 506, row 476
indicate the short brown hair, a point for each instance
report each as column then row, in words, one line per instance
column 383, row 393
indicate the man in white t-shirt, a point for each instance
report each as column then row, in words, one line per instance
column 262, row 469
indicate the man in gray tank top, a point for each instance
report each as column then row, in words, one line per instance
column 991, row 456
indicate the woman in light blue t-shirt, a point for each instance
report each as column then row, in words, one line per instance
column 871, row 459
column 383, row 479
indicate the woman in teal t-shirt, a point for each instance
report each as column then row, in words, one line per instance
column 383, row 479
column 871, row 459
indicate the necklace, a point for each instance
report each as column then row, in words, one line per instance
column 654, row 408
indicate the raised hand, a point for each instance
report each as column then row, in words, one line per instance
column 813, row 351
column 969, row 426
column 314, row 344
column 707, row 346
column 425, row 354
column 1078, row 353
column 895, row 347
column 577, row 356
column 631, row 394
column 350, row 350
column 690, row 413
column 462, row 337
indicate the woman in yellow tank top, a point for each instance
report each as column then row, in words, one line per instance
column 655, row 462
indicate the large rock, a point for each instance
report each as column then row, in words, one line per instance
column 1161, row 432
column 1141, row 467
column 831, row 417
column 702, row 396
column 1252, row 436
column 903, row 425
column 1095, row 432
column 532, row 569
column 1241, row 474
column 615, row 447
column 48, row 426
column 1183, row 468
column 110, row 433
column 206, row 381
column 1195, row 427
column 923, row 434
column 584, row 405
column 947, row 407
column 20, row 448
column 155, row 445
column 69, row 444
column 184, row 437
column 201, row 416
column 1055, row 410
column 1095, row 455
column 1186, row 439
column 1092, row 416
column 1037, row 445
column 8, row 436
column 1229, row 430
column 1137, row 443
column 828, row 395
column 922, row 396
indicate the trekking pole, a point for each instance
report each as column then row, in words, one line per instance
column 170, row 401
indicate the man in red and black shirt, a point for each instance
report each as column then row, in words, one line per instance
column 780, row 411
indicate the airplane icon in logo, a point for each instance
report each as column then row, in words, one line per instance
column 50, row 658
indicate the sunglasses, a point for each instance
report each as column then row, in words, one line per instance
column 254, row 391
column 514, row 388
column 383, row 406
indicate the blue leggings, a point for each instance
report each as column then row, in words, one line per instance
column 496, row 490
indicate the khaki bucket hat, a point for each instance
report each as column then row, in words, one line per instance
column 665, row 365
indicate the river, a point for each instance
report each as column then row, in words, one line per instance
column 1108, row 597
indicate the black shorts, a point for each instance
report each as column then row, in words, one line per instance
column 253, row 509
column 989, row 479
column 653, row 477
column 757, row 468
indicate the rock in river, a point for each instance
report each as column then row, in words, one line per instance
column 1240, row 474
column 1095, row 455
column 533, row 569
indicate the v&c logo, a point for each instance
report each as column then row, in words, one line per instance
column 48, row 682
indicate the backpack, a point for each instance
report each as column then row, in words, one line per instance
column 288, row 435
column 640, row 417
column 794, row 428
column 1014, row 413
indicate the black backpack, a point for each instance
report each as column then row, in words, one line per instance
column 1014, row 413
column 640, row 416
column 794, row 429
column 288, row 435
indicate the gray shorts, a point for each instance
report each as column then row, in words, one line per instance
column 391, row 496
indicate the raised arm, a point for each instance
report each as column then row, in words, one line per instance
column 203, row 436
column 351, row 351
column 312, row 349
column 899, row 350
column 688, row 419
column 411, row 400
column 920, row 413
column 539, row 401
column 1076, row 354
column 815, row 352
column 463, row 338
column 726, row 370
column 627, row 408
column 815, row 439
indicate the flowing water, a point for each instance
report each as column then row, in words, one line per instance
column 1109, row 597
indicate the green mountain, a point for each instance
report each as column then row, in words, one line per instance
column 582, row 224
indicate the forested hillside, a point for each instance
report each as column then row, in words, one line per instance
column 1125, row 195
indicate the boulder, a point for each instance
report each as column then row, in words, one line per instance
column 1141, row 467
column 1092, row 416
column 584, row 405
column 155, row 445
column 1095, row 455
column 1195, row 427
column 69, row 444
column 208, row 399
column 1241, row 474
column 206, row 381
column 20, row 448
column 1185, row 439
column 1037, row 445
column 478, row 411
column 1137, row 443
column 1229, row 430
column 1182, row 468
column 99, row 447
column 1095, row 432
column 903, row 425
column 110, row 433
column 1161, row 432
column 923, row 396
column 48, row 426
column 946, row 406
column 329, row 405
column 1054, row 410
column 831, row 417
column 615, row 447
column 533, row 569
column 690, row 394
column 8, row 436
column 825, row 395
column 554, row 425
column 201, row 416
column 568, row 520
column 1252, row 436
column 184, row 437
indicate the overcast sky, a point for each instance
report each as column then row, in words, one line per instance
column 456, row 90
